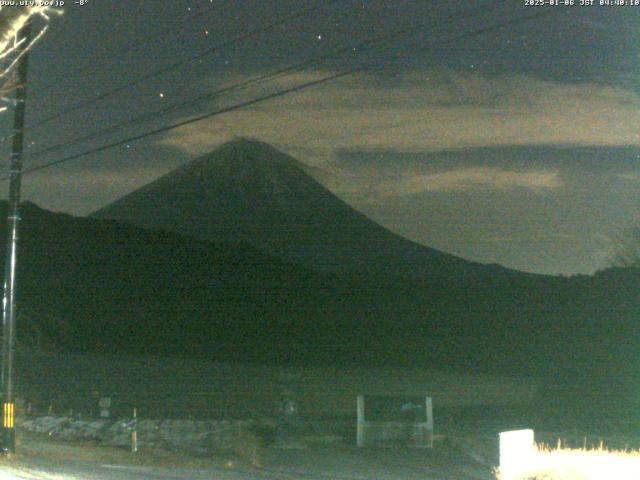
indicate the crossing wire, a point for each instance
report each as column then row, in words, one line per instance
column 365, row 45
column 281, row 93
column 174, row 66
column 118, row 53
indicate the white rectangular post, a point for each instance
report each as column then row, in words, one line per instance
column 517, row 449
column 134, row 432
column 361, row 421
column 428, row 405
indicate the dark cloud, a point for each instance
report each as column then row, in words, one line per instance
column 567, row 159
column 518, row 146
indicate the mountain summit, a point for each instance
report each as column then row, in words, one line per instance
column 247, row 191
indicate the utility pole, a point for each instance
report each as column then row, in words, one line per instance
column 13, row 218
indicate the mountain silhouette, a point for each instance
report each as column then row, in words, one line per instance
column 247, row 191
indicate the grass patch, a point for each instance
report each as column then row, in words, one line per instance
column 578, row 464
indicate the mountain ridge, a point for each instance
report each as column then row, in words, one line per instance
column 248, row 191
column 101, row 286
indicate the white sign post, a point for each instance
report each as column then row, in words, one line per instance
column 428, row 404
column 517, row 449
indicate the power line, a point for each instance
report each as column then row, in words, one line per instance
column 360, row 47
column 180, row 63
column 193, row 120
column 270, row 96
column 267, row 97
column 145, row 41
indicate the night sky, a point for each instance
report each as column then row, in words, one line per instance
column 519, row 146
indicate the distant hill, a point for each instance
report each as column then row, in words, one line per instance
column 100, row 286
column 247, row 191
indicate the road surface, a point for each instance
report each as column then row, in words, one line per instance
column 314, row 463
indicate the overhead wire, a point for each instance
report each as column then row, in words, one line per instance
column 365, row 45
column 119, row 52
column 283, row 92
column 175, row 65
